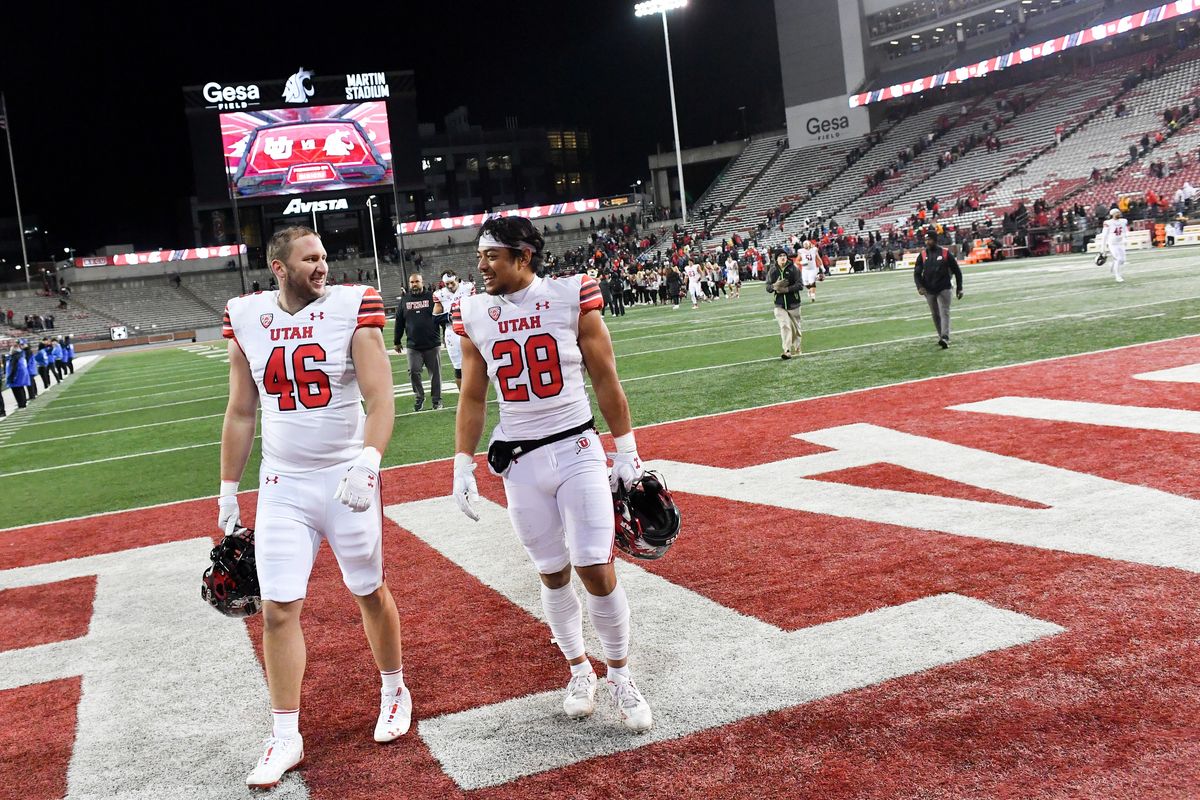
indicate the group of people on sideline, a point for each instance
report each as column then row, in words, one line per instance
column 22, row 365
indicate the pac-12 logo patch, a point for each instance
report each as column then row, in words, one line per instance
column 494, row 313
column 265, row 319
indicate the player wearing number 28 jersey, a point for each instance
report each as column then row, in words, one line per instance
column 310, row 354
column 533, row 338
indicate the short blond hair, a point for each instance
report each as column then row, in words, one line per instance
column 280, row 246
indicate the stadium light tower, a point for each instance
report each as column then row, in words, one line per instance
column 662, row 7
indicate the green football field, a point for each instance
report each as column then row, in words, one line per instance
column 144, row 427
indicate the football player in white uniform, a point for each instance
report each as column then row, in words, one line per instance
column 694, row 290
column 444, row 300
column 733, row 276
column 1112, row 241
column 533, row 338
column 310, row 353
column 807, row 259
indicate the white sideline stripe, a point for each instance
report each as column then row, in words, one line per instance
column 129, row 410
column 1172, row 420
column 815, row 353
column 1193, row 316
column 711, row 415
column 72, row 406
column 1149, row 316
column 111, row 430
column 110, row 458
column 1186, row 374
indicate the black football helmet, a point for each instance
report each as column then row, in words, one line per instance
column 1100, row 259
column 647, row 519
column 230, row 584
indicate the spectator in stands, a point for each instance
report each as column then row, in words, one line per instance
column 1145, row 143
column 10, row 317
column 414, row 319
column 934, row 267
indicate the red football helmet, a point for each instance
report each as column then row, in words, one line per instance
column 230, row 585
column 646, row 517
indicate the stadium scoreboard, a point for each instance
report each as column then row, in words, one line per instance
column 303, row 132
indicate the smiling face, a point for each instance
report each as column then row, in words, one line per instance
column 505, row 270
column 303, row 271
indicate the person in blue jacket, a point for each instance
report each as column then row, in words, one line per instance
column 17, row 375
column 41, row 361
column 31, row 368
column 3, row 382
column 68, row 354
column 56, row 359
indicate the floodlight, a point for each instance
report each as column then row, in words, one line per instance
column 657, row 7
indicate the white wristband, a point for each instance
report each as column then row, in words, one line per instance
column 625, row 443
column 463, row 460
column 369, row 457
column 228, row 488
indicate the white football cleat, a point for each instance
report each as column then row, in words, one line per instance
column 580, row 699
column 279, row 756
column 395, row 715
column 634, row 710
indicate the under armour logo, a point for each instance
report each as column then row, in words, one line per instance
column 539, row 306
column 316, row 315
column 271, row 479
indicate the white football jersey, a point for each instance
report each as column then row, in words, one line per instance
column 448, row 298
column 1116, row 231
column 693, row 273
column 532, row 352
column 808, row 258
column 312, row 415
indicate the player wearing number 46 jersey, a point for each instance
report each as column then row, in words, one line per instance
column 311, row 354
column 534, row 338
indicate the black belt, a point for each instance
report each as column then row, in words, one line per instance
column 501, row 453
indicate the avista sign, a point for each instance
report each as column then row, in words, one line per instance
column 298, row 206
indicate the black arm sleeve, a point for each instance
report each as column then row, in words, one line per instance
column 957, row 273
column 917, row 269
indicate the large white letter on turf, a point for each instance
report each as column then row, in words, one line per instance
column 1086, row 514
column 172, row 692
column 679, row 638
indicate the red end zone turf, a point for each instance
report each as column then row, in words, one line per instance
column 1107, row 708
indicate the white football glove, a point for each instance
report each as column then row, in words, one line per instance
column 626, row 466
column 465, row 489
column 229, row 514
column 358, row 486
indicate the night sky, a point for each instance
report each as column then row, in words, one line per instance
column 97, row 116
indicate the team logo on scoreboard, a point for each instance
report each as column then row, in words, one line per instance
column 266, row 319
column 298, row 87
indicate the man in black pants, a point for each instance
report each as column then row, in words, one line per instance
column 934, row 267
column 414, row 318
column 616, row 285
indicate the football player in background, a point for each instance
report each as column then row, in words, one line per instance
column 808, row 259
column 309, row 353
column 1112, row 241
column 444, row 299
column 534, row 338
column 694, row 290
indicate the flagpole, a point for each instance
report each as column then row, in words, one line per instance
column 16, row 195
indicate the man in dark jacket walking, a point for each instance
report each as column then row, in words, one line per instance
column 932, row 274
column 415, row 319
column 783, row 280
